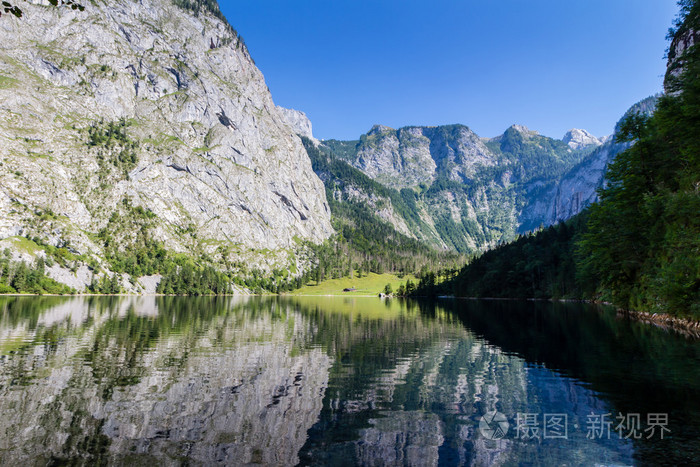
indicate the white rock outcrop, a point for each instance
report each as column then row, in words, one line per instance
column 297, row 121
column 580, row 139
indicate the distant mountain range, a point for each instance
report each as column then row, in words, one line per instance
column 132, row 133
column 449, row 187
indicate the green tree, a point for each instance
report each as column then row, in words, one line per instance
column 401, row 291
column 19, row 280
column 643, row 240
column 7, row 7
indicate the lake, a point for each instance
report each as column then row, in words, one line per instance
column 340, row 381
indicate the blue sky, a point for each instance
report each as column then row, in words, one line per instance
column 548, row 64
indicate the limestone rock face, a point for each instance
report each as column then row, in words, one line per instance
column 565, row 197
column 683, row 39
column 468, row 193
column 149, row 103
column 412, row 156
column 297, row 121
column 568, row 196
column 580, row 139
column 459, row 190
column 523, row 130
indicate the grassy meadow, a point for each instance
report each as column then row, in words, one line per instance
column 371, row 284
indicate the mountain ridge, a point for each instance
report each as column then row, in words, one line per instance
column 141, row 139
column 148, row 118
column 470, row 192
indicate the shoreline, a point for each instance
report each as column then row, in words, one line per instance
column 175, row 295
column 685, row 326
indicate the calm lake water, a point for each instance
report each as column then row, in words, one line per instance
column 340, row 381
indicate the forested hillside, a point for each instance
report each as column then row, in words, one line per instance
column 643, row 240
column 639, row 247
column 364, row 241
column 466, row 193
column 537, row 265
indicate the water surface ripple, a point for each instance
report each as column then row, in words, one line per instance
column 339, row 381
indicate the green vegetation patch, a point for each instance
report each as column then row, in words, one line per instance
column 369, row 284
column 128, row 244
column 18, row 277
column 6, row 82
column 24, row 245
column 115, row 149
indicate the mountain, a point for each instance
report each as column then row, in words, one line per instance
column 134, row 130
column 580, row 139
column 298, row 122
column 638, row 245
column 370, row 219
column 565, row 197
column 459, row 191
column 140, row 139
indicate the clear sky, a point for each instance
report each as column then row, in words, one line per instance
column 551, row 65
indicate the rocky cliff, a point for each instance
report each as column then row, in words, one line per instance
column 579, row 139
column 566, row 197
column 462, row 191
column 412, row 156
column 685, row 36
column 131, row 110
column 577, row 188
column 297, row 121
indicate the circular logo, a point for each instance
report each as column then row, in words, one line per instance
column 493, row 425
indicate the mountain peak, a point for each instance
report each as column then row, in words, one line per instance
column 525, row 131
column 579, row 139
column 378, row 129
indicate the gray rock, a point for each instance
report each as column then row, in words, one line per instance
column 149, row 283
column 412, row 156
column 472, row 192
column 580, row 139
column 525, row 131
column 79, row 280
column 297, row 121
column 566, row 197
column 215, row 155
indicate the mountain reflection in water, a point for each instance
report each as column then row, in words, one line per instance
column 316, row 380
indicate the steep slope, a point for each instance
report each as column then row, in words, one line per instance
column 412, row 156
column 297, row 121
column 137, row 122
column 561, row 199
column 465, row 192
column 370, row 219
column 580, row 139
column 576, row 189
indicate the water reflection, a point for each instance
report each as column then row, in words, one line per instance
column 634, row 367
column 145, row 379
column 281, row 381
column 419, row 398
